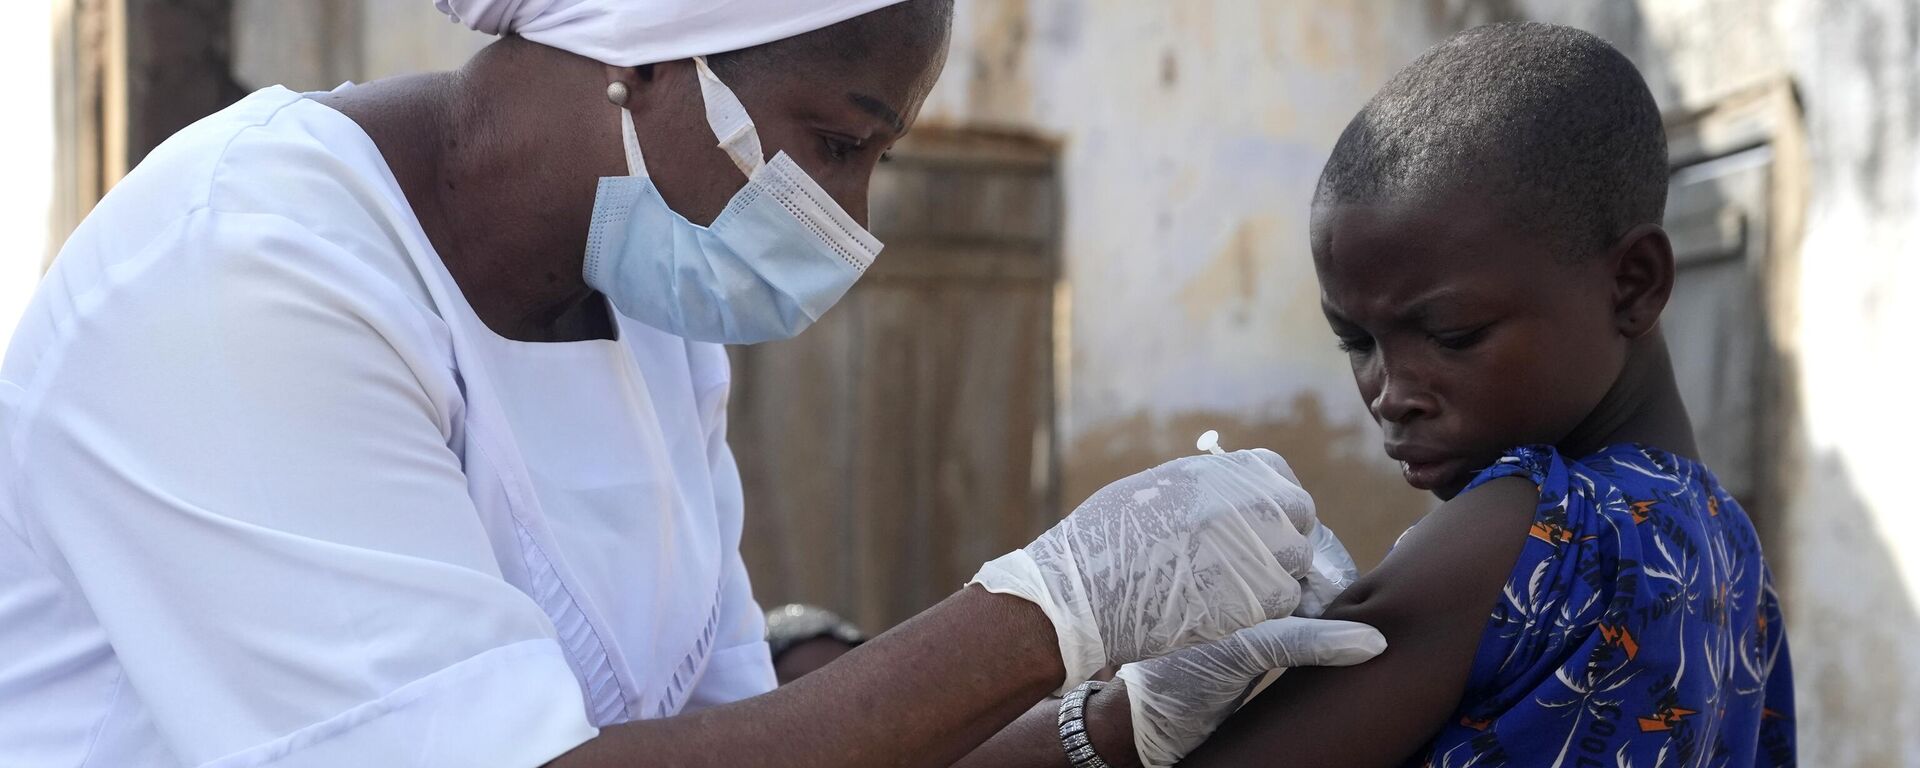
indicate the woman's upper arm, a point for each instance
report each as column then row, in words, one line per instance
column 1431, row 598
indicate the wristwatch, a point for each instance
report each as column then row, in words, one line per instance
column 795, row 623
column 1073, row 726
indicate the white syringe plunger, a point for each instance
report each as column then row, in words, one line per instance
column 1210, row 442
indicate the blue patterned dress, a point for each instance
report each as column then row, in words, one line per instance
column 1639, row 627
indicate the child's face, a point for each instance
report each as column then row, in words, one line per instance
column 1467, row 336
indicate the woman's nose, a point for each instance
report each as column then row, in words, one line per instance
column 853, row 199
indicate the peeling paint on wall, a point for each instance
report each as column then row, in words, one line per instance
column 1186, row 169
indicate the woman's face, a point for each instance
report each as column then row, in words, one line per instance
column 835, row 118
column 1466, row 336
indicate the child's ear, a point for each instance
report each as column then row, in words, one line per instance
column 1642, row 279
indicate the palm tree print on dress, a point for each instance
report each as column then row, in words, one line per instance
column 1639, row 628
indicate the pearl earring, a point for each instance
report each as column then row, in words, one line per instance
column 617, row 93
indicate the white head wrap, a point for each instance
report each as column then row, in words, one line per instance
column 628, row 33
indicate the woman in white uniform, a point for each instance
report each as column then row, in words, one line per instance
column 387, row 426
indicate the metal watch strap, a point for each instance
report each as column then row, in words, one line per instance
column 1073, row 726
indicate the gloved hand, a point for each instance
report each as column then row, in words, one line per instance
column 1184, row 553
column 1333, row 571
column 1177, row 700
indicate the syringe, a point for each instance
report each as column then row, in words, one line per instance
column 1210, row 442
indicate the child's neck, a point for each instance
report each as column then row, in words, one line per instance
column 1642, row 407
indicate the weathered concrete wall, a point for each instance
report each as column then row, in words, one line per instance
column 318, row 44
column 1856, row 572
column 1191, row 136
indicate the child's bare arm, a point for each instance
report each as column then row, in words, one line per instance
column 1431, row 597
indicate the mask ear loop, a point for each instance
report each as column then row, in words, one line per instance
column 729, row 120
column 617, row 94
column 636, row 163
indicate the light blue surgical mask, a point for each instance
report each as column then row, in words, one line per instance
column 775, row 259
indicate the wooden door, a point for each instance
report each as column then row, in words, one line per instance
column 1715, row 323
column 1735, row 201
column 127, row 75
column 908, row 436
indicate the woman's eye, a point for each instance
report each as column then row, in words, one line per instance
column 839, row 149
column 1356, row 344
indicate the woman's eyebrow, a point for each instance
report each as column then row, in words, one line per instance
column 879, row 109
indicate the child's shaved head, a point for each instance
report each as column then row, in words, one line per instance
column 1488, row 245
column 1549, row 124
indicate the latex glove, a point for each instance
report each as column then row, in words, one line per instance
column 1180, row 554
column 1333, row 568
column 1333, row 571
column 1178, row 700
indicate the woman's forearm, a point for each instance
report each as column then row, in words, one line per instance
column 1033, row 741
column 925, row 693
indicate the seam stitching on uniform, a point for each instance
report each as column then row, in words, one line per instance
column 220, row 160
column 93, row 741
column 592, row 628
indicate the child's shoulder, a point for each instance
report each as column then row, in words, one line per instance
column 1577, row 507
column 1454, row 560
column 1621, row 473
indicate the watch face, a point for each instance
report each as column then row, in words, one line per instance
column 795, row 623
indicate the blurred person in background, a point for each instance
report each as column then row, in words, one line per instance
column 386, row 426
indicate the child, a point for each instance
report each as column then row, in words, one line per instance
column 1487, row 238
